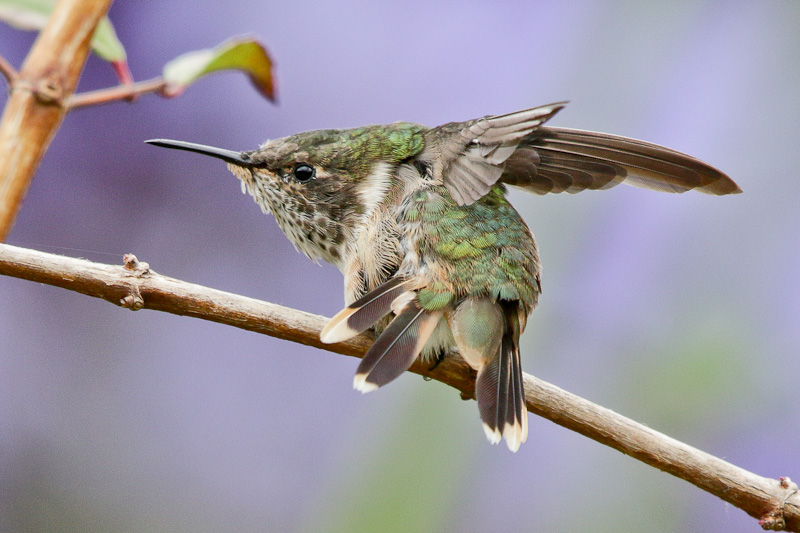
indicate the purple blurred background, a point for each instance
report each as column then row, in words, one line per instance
column 680, row 311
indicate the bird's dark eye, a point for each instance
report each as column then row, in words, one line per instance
column 303, row 172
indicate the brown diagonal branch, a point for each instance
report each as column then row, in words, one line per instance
column 776, row 503
column 35, row 108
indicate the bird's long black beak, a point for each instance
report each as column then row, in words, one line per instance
column 237, row 158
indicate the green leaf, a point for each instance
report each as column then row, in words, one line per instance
column 33, row 14
column 105, row 42
column 240, row 53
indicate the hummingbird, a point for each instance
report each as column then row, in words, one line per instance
column 435, row 259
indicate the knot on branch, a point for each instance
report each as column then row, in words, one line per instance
column 49, row 91
column 133, row 265
column 135, row 268
column 774, row 520
column 133, row 301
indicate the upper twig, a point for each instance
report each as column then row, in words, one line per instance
column 8, row 71
column 114, row 94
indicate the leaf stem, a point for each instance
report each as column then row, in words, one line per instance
column 8, row 71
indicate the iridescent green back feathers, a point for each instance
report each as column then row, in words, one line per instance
column 484, row 249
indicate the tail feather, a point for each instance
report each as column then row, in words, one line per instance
column 396, row 348
column 491, row 391
column 499, row 388
column 520, row 402
column 516, row 429
column 364, row 312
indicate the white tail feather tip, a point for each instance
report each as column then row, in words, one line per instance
column 336, row 331
column 493, row 435
column 524, row 426
column 513, row 436
column 360, row 384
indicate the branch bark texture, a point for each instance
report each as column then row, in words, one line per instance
column 775, row 503
column 36, row 106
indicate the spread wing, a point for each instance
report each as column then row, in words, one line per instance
column 470, row 157
column 563, row 160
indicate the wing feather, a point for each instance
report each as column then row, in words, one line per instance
column 364, row 312
column 610, row 160
column 396, row 348
column 471, row 157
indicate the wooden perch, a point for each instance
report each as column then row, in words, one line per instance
column 775, row 503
